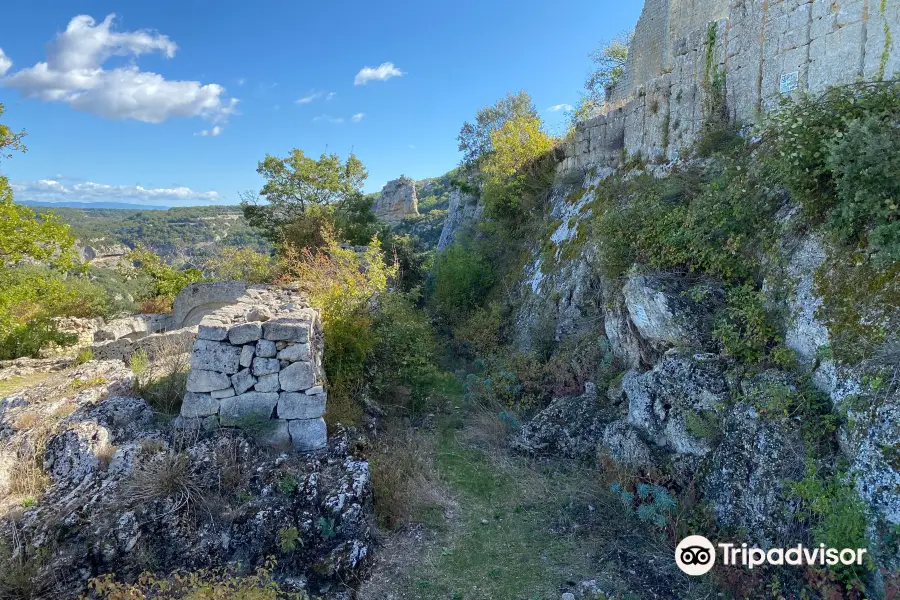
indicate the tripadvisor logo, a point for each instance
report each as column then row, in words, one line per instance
column 696, row 555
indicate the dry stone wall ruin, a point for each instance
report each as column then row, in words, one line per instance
column 259, row 368
column 761, row 50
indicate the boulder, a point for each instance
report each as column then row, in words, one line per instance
column 265, row 366
column 242, row 381
column 308, row 435
column 247, row 354
column 287, row 330
column 198, row 405
column 623, row 444
column 265, row 349
column 267, row 383
column 569, row 427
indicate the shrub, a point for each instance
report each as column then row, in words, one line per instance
column 402, row 359
column 225, row 583
column 462, row 279
column 240, row 264
column 744, row 327
column 345, row 286
column 652, row 504
column 166, row 280
column 32, row 337
column 163, row 381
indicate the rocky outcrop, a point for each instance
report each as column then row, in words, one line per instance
column 464, row 210
column 133, row 327
column 398, row 200
column 126, row 493
column 666, row 313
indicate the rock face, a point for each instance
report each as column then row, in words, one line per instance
column 669, row 403
column 398, row 200
column 464, row 209
column 126, row 493
column 267, row 376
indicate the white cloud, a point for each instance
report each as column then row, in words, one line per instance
column 49, row 190
column 74, row 74
column 561, row 107
column 210, row 132
column 357, row 117
column 381, row 73
column 314, row 95
column 328, row 119
column 5, row 63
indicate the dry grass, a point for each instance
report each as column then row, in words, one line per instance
column 408, row 488
column 14, row 384
column 167, row 475
column 27, row 476
column 155, row 305
column 162, row 382
column 21, row 574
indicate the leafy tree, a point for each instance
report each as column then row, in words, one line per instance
column 31, row 294
column 167, row 281
column 240, row 264
column 475, row 138
column 299, row 187
column 609, row 66
column 514, row 171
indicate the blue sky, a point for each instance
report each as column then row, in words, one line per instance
column 116, row 108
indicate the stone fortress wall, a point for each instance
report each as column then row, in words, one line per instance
column 764, row 48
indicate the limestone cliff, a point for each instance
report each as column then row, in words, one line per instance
column 398, row 200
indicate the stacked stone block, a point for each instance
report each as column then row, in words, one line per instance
column 260, row 372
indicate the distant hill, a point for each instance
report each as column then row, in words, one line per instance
column 183, row 231
column 95, row 205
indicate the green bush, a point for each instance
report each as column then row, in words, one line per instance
column 744, row 327
column 838, row 156
column 402, row 359
column 462, row 279
column 30, row 338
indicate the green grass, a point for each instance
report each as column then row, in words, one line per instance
column 14, row 384
column 513, row 534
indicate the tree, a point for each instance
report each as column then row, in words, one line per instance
column 609, row 60
column 299, row 186
column 475, row 139
column 516, row 170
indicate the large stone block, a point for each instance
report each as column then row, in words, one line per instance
column 295, row 352
column 243, row 381
column 298, row 376
column 292, row 405
column 308, row 435
column 247, row 409
column 265, row 366
column 267, row 383
column 215, row 356
column 247, row 353
column 287, row 330
column 245, row 333
column 207, row 381
column 265, row 349
column 226, row 393
column 198, row 405
column 211, row 329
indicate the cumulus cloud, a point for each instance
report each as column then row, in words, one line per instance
column 210, row 132
column 357, row 117
column 74, row 74
column 49, row 190
column 5, row 63
column 383, row 72
column 328, row 119
column 561, row 107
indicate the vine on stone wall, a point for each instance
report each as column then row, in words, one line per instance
column 713, row 80
column 888, row 40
